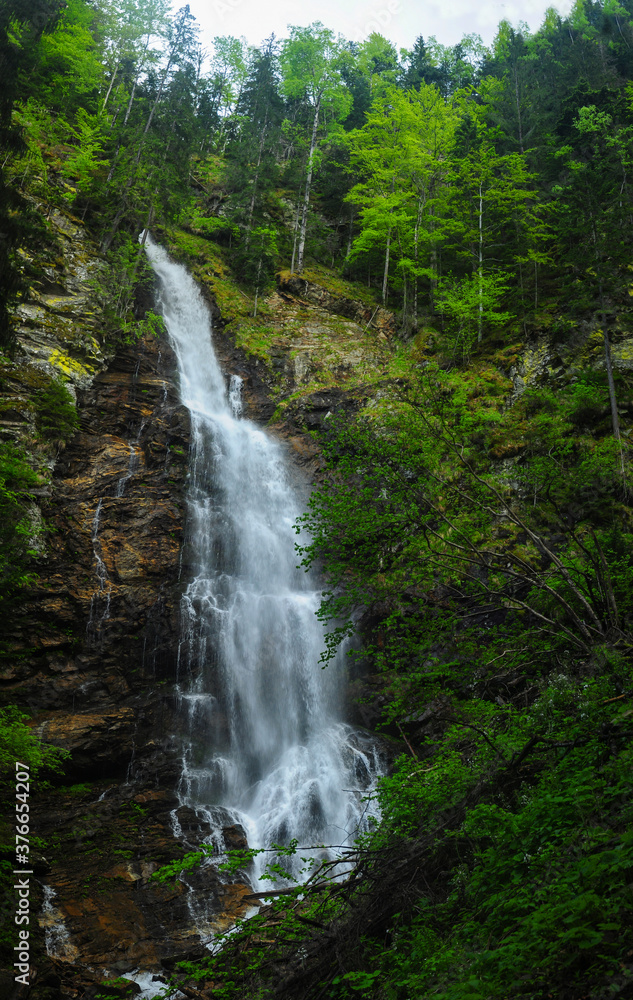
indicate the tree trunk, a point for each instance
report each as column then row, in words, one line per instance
column 350, row 233
column 385, row 275
column 113, row 78
column 613, row 400
column 480, row 270
column 259, row 271
column 251, row 207
column 518, row 107
column 306, row 197
column 295, row 229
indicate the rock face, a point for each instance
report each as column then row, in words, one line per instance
column 341, row 305
column 94, row 643
column 103, row 617
column 93, row 649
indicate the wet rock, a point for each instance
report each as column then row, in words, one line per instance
column 234, row 838
column 90, row 738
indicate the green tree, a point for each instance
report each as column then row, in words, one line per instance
column 469, row 304
column 222, row 89
column 22, row 24
column 419, row 535
column 402, row 154
column 494, row 217
column 252, row 150
column 127, row 28
column 87, row 159
column 312, row 73
column 595, row 208
column 171, row 93
column 377, row 60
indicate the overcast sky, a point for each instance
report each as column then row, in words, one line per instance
column 401, row 21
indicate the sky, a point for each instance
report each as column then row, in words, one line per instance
column 401, row 21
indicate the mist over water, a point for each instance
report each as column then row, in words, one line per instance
column 264, row 744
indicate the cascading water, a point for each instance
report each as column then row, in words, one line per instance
column 100, row 602
column 265, row 747
column 56, row 936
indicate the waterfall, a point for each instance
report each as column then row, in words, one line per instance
column 100, row 601
column 265, row 747
column 56, row 937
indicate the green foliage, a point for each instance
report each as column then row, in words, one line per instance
column 470, row 303
column 18, row 742
column 83, row 164
column 55, row 412
column 541, row 898
column 16, row 523
column 115, row 287
column 415, row 522
column 69, row 70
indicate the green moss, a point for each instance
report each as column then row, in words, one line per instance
column 254, row 338
column 77, row 790
column 232, row 302
column 334, row 284
column 204, row 257
column 68, row 366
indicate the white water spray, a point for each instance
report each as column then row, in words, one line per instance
column 265, row 745
column 56, row 935
column 100, row 601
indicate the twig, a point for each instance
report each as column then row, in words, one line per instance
column 468, row 725
column 413, row 753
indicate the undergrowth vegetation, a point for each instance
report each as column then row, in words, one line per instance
column 17, row 478
column 480, row 544
column 18, row 743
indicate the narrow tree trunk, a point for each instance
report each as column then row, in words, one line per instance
column 115, row 116
column 433, row 261
column 385, row 275
column 613, row 400
column 138, row 73
column 130, row 103
column 306, row 198
column 105, row 246
column 416, row 233
column 295, row 229
column 114, row 76
column 259, row 270
column 518, row 106
column 404, row 306
column 251, row 207
column 481, row 264
column 535, row 284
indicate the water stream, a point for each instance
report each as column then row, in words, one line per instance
column 100, row 601
column 265, row 744
column 56, row 936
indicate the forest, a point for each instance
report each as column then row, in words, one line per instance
column 473, row 518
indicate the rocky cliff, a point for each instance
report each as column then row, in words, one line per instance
column 92, row 646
